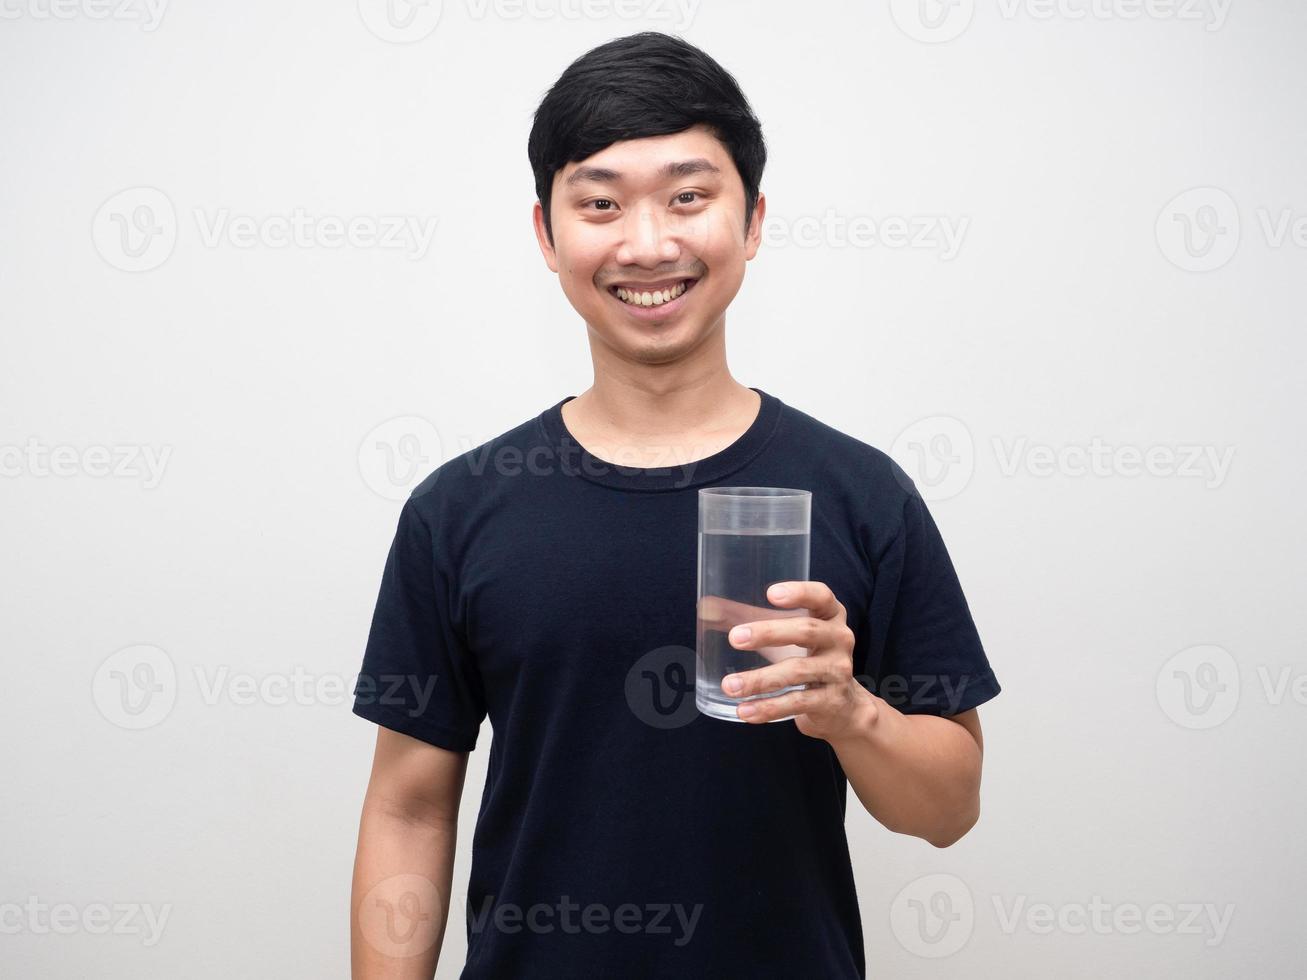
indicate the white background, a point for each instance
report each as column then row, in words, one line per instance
column 1092, row 302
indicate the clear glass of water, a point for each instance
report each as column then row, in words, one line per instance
column 749, row 539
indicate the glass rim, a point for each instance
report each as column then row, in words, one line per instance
column 753, row 492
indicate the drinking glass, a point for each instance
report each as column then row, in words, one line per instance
column 749, row 539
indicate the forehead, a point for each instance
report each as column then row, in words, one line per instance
column 694, row 152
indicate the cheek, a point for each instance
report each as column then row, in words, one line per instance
column 573, row 275
column 724, row 248
column 578, row 284
column 579, row 268
column 725, row 261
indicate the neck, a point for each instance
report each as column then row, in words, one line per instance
column 633, row 398
column 660, row 420
column 662, row 406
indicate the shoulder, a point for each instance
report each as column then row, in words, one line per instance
column 847, row 464
column 474, row 475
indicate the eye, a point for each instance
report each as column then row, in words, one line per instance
column 599, row 200
column 694, row 194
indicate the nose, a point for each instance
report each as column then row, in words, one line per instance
column 648, row 240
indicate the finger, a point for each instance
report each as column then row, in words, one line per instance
column 833, row 668
column 718, row 612
column 815, row 596
column 812, row 671
column 775, row 653
column 781, row 706
column 721, row 614
column 803, row 632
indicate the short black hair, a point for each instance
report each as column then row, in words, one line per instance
column 646, row 84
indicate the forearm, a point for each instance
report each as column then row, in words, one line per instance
column 917, row 774
column 402, row 916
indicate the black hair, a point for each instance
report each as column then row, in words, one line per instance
column 646, row 84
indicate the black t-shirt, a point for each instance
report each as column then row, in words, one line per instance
column 620, row 832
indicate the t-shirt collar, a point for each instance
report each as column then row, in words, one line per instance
column 576, row 461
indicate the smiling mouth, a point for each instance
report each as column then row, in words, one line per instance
column 640, row 298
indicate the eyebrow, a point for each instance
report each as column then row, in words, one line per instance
column 677, row 168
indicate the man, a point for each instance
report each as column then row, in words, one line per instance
column 547, row 579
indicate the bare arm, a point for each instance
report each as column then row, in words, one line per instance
column 405, row 859
column 917, row 774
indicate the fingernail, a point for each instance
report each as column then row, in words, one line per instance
column 741, row 634
column 746, row 710
column 732, row 684
column 779, row 592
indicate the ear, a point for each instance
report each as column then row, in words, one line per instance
column 753, row 238
column 547, row 250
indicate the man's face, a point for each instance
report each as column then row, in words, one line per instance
column 645, row 219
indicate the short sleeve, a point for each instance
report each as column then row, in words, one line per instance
column 418, row 677
column 933, row 661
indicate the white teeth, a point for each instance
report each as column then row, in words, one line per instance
column 656, row 298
